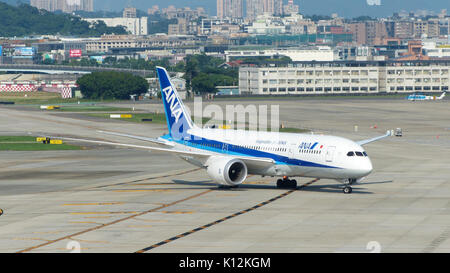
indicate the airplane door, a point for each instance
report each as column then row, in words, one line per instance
column 292, row 149
column 225, row 148
column 330, row 154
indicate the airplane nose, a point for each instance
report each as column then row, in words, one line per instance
column 366, row 167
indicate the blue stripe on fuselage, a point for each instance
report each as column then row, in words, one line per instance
column 230, row 149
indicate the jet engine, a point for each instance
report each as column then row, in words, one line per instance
column 226, row 171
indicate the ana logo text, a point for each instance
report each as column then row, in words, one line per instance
column 173, row 102
column 308, row 145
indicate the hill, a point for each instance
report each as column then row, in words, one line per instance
column 25, row 20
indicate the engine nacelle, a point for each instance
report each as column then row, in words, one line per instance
column 226, row 171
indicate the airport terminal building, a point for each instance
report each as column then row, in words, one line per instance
column 345, row 77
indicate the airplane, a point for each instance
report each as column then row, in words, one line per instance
column 229, row 156
column 415, row 97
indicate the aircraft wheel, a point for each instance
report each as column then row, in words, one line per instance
column 293, row 184
column 279, row 183
column 347, row 190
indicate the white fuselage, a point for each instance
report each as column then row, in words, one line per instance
column 303, row 155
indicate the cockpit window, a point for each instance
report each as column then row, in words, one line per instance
column 350, row 154
column 365, row 154
column 359, row 154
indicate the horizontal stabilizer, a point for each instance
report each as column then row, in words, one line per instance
column 149, row 139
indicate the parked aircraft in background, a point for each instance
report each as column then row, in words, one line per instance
column 415, row 97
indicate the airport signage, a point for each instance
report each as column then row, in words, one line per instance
column 98, row 59
column 75, row 53
column 24, row 51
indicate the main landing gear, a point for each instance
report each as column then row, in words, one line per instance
column 286, row 183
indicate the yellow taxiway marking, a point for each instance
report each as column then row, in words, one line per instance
column 89, row 242
column 116, row 221
column 94, row 204
column 81, row 248
column 151, row 221
column 104, row 212
column 140, row 226
column 226, row 194
column 30, row 239
column 82, row 222
column 151, row 184
column 149, row 190
column 97, row 217
column 46, row 232
column 178, row 212
column 256, row 182
column 225, row 218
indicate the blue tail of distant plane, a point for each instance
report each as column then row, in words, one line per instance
column 178, row 119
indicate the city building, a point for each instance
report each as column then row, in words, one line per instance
column 135, row 26
column 404, row 29
column 273, row 7
column 254, row 9
column 129, row 12
column 320, row 53
column 266, row 24
column 345, row 77
column 186, row 13
column 368, row 33
column 153, row 10
column 429, row 28
column 63, row 5
column 230, row 9
column 291, row 8
column 117, row 43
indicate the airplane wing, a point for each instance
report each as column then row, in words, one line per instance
column 367, row 141
column 261, row 162
column 152, row 140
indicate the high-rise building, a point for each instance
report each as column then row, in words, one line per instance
column 290, row 8
column 230, row 8
column 222, row 8
column 274, row 7
column 63, row 5
column 237, row 8
column 254, row 8
column 129, row 12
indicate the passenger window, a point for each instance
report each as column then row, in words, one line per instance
column 350, row 154
column 359, row 154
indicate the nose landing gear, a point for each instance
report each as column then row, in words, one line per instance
column 347, row 190
column 286, row 183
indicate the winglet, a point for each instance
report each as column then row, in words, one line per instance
column 367, row 141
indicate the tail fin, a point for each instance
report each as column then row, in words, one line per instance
column 178, row 119
column 442, row 96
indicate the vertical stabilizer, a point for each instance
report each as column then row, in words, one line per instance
column 178, row 119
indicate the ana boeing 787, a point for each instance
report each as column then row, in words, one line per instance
column 229, row 156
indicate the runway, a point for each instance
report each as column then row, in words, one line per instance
column 109, row 199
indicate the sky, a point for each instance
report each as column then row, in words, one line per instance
column 345, row 8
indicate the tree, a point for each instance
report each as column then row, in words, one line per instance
column 203, row 73
column 27, row 20
column 207, row 83
column 111, row 85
